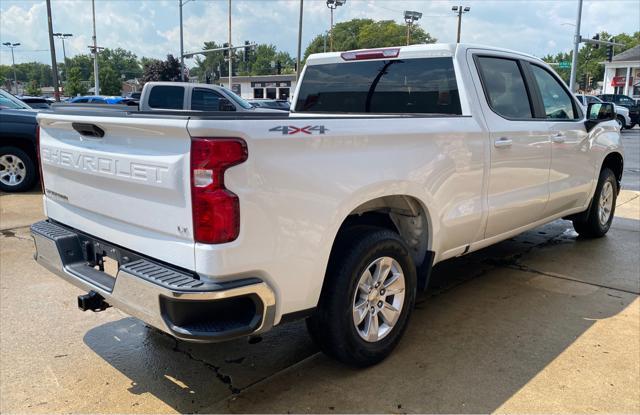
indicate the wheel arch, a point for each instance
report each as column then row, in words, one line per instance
column 615, row 162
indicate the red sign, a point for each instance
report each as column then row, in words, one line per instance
column 619, row 80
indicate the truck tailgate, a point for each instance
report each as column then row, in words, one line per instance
column 130, row 187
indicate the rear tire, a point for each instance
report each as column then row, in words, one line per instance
column 348, row 291
column 18, row 172
column 598, row 220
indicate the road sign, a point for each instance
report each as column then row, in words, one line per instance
column 564, row 64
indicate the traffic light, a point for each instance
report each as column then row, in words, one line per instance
column 246, row 51
column 208, row 78
column 583, row 82
column 596, row 37
column 278, row 68
column 590, row 81
column 225, row 52
column 609, row 53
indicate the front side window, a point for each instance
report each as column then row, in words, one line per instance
column 167, row 97
column 205, row 100
column 505, row 88
column 558, row 104
column 409, row 86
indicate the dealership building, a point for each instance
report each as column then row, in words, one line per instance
column 622, row 74
column 262, row 86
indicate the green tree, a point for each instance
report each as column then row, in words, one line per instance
column 33, row 89
column 157, row 70
column 74, row 84
column 110, row 81
column 367, row 33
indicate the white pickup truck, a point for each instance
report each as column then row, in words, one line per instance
column 215, row 226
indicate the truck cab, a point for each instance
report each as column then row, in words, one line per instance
column 187, row 96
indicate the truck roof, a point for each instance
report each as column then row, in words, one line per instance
column 415, row 51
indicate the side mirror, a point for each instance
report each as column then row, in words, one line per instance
column 598, row 112
column 226, row 105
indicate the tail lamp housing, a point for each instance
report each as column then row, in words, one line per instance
column 215, row 209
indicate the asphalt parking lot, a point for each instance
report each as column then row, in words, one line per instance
column 544, row 322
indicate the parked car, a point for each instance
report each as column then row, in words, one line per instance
column 275, row 104
column 134, row 95
column 391, row 160
column 36, row 102
column 97, row 99
column 622, row 113
column 625, row 101
column 186, row 96
column 18, row 156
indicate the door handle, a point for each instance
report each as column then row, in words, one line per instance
column 503, row 142
column 558, row 138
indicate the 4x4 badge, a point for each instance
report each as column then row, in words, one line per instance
column 309, row 129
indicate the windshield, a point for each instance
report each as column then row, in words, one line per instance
column 240, row 101
column 9, row 101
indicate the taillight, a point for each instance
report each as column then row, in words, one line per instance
column 370, row 54
column 39, row 157
column 216, row 210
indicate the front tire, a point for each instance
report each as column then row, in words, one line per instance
column 18, row 172
column 598, row 220
column 621, row 122
column 367, row 298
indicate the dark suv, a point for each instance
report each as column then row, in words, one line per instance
column 18, row 160
column 625, row 101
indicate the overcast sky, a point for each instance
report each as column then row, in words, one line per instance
column 151, row 27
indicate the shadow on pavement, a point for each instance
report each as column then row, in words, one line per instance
column 490, row 322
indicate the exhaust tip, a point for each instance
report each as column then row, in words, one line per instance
column 92, row 301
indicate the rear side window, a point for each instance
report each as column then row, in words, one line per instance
column 410, row 86
column 504, row 87
column 557, row 102
column 167, row 97
column 205, row 100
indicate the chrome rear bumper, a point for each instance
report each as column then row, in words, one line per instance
column 172, row 300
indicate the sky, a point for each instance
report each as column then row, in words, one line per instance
column 151, row 27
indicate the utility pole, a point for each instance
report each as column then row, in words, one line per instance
column 459, row 10
column 13, row 62
column 230, row 47
column 298, row 69
column 63, row 36
column 576, row 45
column 52, row 47
column 96, row 80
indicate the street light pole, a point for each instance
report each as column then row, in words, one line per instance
column 332, row 5
column 63, row 36
column 181, row 46
column 576, row 45
column 299, row 42
column 410, row 18
column 96, row 80
column 230, row 47
column 181, row 3
column 13, row 63
column 459, row 10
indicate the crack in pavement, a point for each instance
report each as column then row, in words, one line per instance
column 226, row 379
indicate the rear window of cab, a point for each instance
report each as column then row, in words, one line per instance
column 398, row 86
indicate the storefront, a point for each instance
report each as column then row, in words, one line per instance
column 622, row 74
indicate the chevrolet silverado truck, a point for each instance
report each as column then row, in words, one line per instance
column 211, row 226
